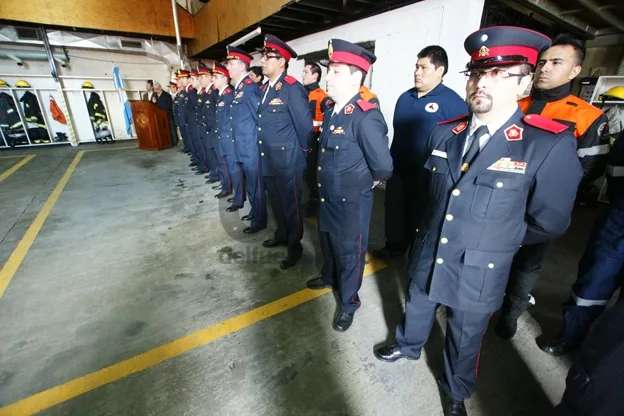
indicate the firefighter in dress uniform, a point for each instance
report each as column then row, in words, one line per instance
column 173, row 90
column 601, row 269
column 285, row 134
column 244, row 116
column 492, row 181
column 192, row 112
column 182, row 83
column 319, row 102
column 189, row 145
column 551, row 98
column 207, row 123
column 354, row 156
column 223, row 130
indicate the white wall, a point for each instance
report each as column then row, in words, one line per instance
column 87, row 65
column 399, row 35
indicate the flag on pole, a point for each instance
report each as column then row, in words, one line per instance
column 123, row 99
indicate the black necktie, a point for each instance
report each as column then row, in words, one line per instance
column 473, row 150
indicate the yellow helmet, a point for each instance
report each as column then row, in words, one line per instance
column 615, row 93
column 87, row 84
column 22, row 84
column 3, row 83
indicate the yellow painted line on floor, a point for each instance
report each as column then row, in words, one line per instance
column 14, row 262
column 111, row 148
column 15, row 167
column 74, row 388
column 14, row 156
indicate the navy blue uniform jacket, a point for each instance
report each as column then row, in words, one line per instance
column 244, row 113
column 519, row 190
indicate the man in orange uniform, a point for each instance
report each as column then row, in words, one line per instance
column 318, row 104
column 369, row 96
column 551, row 98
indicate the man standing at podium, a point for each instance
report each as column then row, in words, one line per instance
column 164, row 101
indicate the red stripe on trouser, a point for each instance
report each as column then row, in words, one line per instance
column 359, row 273
column 481, row 344
column 259, row 190
column 299, row 230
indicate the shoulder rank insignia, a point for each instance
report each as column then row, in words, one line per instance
column 460, row 127
column 453, row 119
column 199, row 100
column 365, row 105
column 544, row 123
column 228, row 90
column 349, row 109
column 248, row 81
column 289, row 79
column 513, row 133
column 278, row 86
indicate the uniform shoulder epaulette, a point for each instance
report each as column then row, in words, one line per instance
column 228, row 90
column 330, row 103
column 365, row 105
column 544, row 123
column 454, row 119
column 248, row 81
column 290, row 80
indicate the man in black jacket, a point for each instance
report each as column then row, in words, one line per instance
column 164, row 101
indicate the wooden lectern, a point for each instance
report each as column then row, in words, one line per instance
column 151, row 124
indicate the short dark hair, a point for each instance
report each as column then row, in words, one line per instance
column 258, row 72
column 525, row 69
column 566, row 39
column 315, row 69
column 151, row 82
column 437, row 56
column 353, row 69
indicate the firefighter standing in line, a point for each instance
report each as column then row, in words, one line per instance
column 416, row 113
column 181, row 80
column 223, row 130
column 285, row 134
column 192, row 107
column 318, row 104
column 551, row 98
column 244, row 113
column 207, row 123
column 493, row 180
column 354, row 156
column 185, row 83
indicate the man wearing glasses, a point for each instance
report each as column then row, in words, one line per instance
column 493, row 181
column 285, row 134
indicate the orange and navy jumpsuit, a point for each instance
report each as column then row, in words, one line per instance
column 369, row 96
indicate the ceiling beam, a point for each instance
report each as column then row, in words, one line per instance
column 553, row 11
column 292, row 18
column 320, row 5
column 609, row 18
column 301, row 9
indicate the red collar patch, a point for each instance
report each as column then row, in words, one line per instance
column 513, row 133
column 349, row 109
column 278, row 86
column 460, row 127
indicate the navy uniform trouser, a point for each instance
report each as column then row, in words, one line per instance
column 462, row 346
column 195, row 143
column 254, row 187
column 233, row 179
column 309, row 174
column 185, row 139
column 525, row 270
column 344, row 255
column 285, row 197
column 601, row 273
column 401, row 199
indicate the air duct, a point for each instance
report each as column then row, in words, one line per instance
column 18, row 56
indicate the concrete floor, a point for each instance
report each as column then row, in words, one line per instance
column 137, row 253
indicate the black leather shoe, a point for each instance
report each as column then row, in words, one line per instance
column 199, row 172
column 317, row 284
column 288, row 262
column 557, row 347
column 247, row 217
column 222, row 194
column 386, row 253
column 230, row 199
column 272, row 242
column 192, row 165
column 213, row 180
column 453, row 407
column 217, row 187
column 343, row 321
column 506, row 326
column 391, row 353
column 233, row 208
column 252, row 230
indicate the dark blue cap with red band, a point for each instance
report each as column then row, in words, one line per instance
column 343, row 52
column 237, row 53
column 504, row 45
column 274, row 44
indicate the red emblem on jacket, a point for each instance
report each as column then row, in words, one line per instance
column 513, row 133
column 460, row 127
column 349, row 109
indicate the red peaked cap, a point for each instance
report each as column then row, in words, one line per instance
column 504, row 45
column 343, row 52
column 272, row 43
column 203, row 69
column 183, row 73
column 220, row 69
column 194, row 73
column 237, row 53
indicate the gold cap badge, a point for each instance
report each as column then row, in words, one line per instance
column 330, row 50
column 484, row 51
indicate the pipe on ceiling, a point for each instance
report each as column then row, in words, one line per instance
column 599, row 11
column 18, row 56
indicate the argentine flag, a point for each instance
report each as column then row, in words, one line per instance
column 123, row 99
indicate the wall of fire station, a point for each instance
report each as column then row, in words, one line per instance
column 93, row 66
column 399, row 35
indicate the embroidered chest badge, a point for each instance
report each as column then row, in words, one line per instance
column 460, row 127
column 513, row 133
column 432, row 107
column 278, row 86
column 349, row 109
column 338, row 130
